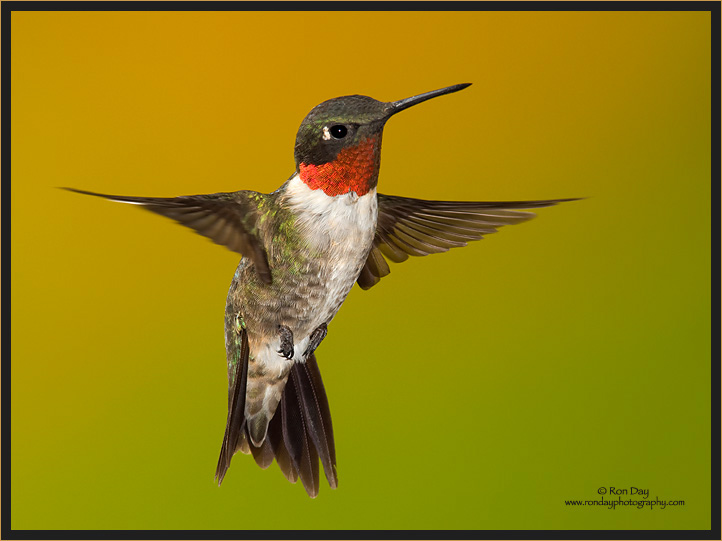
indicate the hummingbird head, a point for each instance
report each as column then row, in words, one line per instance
column 338, row 146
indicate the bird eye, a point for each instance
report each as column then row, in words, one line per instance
column 338, row 131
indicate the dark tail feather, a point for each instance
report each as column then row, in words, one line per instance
column 275, row 437
column 263, row 455
column 301, row 431
column 317, row 415
column 296, row 437
column 298, row 434
column 236, row 422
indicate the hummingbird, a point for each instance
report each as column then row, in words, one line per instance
column 303, row 248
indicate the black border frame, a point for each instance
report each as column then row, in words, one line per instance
column 6, row 9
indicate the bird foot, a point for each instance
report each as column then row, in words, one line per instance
column 286, row 350
column 317, row 337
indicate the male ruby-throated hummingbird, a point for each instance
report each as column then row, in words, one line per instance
column 303, row 247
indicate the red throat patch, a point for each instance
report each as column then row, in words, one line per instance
column 352, row 171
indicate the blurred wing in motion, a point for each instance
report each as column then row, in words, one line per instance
column 225, row 218
column 417, row 227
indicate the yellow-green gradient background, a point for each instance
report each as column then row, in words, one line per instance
column 474, row 389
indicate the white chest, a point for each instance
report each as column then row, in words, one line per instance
column 341, row 230
column 339, row 226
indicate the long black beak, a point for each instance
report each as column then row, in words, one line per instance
column 396, row 106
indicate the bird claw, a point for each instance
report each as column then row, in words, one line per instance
column 317, row 337
column 286, row 350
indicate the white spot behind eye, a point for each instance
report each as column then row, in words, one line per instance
column 326, row 133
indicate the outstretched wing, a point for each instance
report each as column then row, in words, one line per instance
column 417, row 227
column 225, row 218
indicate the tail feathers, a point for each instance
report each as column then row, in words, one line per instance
column 274, row 447
column 295, row 429
column 283, row 457
column 299, row 433
column 263, row 455
column 236, row 423
column 317, row 416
